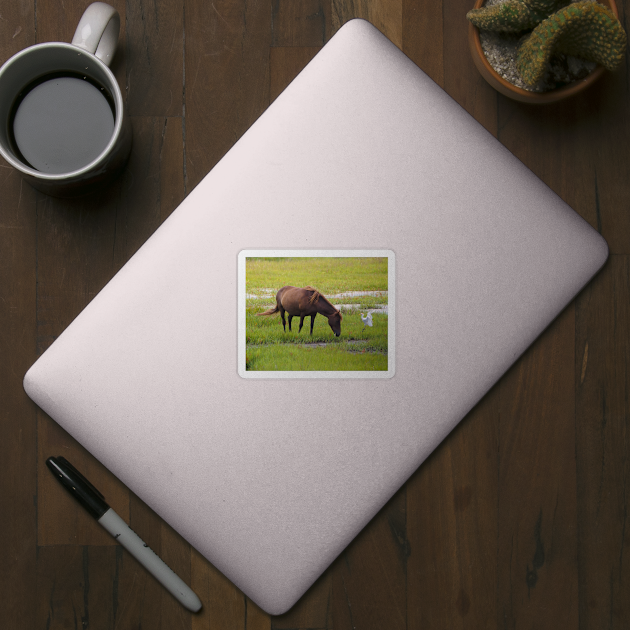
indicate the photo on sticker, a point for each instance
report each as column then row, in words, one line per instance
column 316, row 313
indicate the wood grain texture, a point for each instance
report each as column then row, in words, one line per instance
column 461, row 79
column 602, row 381
column 422, row 36
column 18, row 325
column 369, row 578
column 226, row 78
column 18, row 417
column 76, row 587
column 518, row 520
column 537, row 537
column 609, row 133
column 154, row 61
column 302, row 23
column 452, row 518
column 151, row 187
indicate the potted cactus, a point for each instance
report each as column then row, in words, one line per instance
column 557, row 48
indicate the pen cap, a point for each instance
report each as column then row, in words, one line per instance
column 78, row 486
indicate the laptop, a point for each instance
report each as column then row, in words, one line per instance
column 362, row 161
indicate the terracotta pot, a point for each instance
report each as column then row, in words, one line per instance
column 512, row 91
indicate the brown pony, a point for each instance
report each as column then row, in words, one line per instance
column 303, row 302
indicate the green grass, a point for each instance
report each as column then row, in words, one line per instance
column 268, row 330
column 293, row 357
column 329, row 275
column 269, row 347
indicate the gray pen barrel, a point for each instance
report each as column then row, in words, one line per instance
column 149, row 559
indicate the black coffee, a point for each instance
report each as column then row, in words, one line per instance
column 62, row 123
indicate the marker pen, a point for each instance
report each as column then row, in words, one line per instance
column 94, row 502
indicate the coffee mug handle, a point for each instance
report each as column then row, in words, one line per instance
column 98, row 30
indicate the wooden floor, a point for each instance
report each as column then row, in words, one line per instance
column 518, row 520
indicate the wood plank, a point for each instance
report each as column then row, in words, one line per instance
column 452, row 527
column 171, row 159
column 154, row 60
column 76, row 587
column 608, row 128
column 152, row 185
column 303, row 23
column 17, row 28
column 74, row 258
column 369, row 588
column 462, row 80
column 18, row 415
column 603, row 444
column 18, row 419
column 537, row 537
column 226, row 78
column 607, row 120
column 386, row 15
column 423, row 36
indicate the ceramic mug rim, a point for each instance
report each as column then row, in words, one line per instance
column 114, row 89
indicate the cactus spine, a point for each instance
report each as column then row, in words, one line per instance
column 513, row 16
column 583, row 29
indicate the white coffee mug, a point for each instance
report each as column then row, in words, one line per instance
column 62, row 114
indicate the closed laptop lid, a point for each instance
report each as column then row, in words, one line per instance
column 270, row 478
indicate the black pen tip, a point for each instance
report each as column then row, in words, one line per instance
column 51, row 462
column 80, row 488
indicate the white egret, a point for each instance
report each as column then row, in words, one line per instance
column 367, row 321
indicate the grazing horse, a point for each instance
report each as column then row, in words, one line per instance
column 302, row 302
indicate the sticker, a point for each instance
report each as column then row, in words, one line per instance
column 316, row 313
